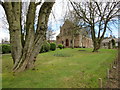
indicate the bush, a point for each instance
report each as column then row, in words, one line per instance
column 52, row 46
column 6, row 48
column 60, row 46
column 45, row 47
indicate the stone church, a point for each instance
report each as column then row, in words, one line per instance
column 68, row 36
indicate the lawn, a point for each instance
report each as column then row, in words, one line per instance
column 67, row 68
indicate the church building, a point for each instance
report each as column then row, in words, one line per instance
column 69, row 36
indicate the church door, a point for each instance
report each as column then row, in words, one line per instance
column 67, row 42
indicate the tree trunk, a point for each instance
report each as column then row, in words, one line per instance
column 73, row 42
column 24, row 55
column 12, row 11
column 28, row 58
column 96, row 45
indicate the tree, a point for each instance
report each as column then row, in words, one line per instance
column 24, row 54
column 97, row 16
column 50, row 33
column 79, row 27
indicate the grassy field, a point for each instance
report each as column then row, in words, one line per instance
column 67, row 68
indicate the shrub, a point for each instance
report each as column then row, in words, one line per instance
column 45, row 47
column 60, row 46
column 6, row 48
column 52, row 46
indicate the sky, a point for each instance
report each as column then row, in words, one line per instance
column 56, row 19
column 4, row 33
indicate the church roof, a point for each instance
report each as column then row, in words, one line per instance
column 67, row 29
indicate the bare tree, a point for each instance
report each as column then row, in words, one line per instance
column 24, row 55
column 97, row 16
column 78, row 27
column 50, row 33
column 74, row 31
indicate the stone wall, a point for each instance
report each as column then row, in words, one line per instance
column 78, row 41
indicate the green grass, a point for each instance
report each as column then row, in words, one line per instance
column 67, row 68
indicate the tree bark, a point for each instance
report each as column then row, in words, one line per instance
column 13, row 16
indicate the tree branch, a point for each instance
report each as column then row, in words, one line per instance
column 38, row 3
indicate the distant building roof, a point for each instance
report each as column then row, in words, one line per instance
column 6, row 42
column 109, row 39
column 68, row 27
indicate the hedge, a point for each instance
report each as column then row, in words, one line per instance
column 6, row 48
column 45, row 47
column 52, row 46
column 60, row 46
